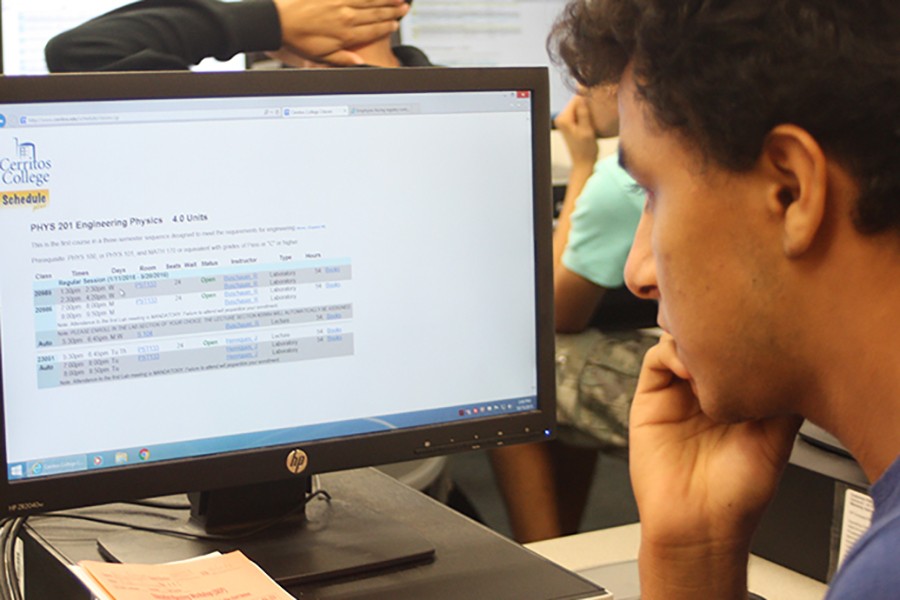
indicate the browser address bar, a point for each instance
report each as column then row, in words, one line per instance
column 151, row 116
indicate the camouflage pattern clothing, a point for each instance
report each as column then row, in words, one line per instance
column 596, row 375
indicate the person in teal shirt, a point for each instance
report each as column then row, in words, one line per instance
column 545, row 486
column 602, row 225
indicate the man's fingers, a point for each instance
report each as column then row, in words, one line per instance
column 342, row 58
column 567, row 119
column 375, row 3
column 663, row 393
column 661, row 366
column 380, row 14
column 565, row 116
column 655, row 375
column 364, row 34
column 582, row 114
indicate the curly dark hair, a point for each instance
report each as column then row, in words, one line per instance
column 723, row 73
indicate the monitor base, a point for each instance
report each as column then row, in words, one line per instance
column 335, row 539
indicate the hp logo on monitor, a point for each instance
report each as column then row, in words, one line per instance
column 297, row 461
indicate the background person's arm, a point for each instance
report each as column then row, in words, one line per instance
column 576, row 298
column 176, row 34
column 165, row 35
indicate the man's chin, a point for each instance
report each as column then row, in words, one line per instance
column 721, row 408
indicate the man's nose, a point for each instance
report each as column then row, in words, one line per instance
column 640, row 269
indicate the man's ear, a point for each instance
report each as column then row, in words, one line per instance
column 797, row 167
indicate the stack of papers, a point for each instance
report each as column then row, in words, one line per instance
column 229, row 576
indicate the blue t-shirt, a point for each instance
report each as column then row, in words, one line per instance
column 603, row 223
column 872, row 568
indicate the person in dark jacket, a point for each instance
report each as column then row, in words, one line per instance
column 177, row 34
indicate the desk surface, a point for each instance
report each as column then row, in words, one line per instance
column 471, row 561
column 608, row 546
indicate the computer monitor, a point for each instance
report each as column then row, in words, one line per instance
column 27, row 26
column 490, row 33
column 237, row 280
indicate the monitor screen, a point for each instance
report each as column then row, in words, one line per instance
column 27, row 26
column 235, row 278
column 488, row 33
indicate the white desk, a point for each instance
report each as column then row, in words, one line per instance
column 619, row 544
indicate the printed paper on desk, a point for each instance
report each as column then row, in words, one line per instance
column 230, row 576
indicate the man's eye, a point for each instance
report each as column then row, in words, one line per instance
column 636, row 188
column 649, row 196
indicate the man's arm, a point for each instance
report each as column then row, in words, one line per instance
column 701, row 486
column 576, row 297
column 176, row 34
column 165, row 35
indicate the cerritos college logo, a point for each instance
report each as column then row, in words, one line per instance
column 25, row 168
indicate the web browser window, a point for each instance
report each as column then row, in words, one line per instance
column 184, row 277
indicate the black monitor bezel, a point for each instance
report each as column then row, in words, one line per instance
column 84, row 488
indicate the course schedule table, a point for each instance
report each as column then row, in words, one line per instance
column 195, row 317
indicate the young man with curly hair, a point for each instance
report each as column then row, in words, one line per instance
column 767, row 137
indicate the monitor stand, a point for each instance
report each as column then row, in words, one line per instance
column 328, row 539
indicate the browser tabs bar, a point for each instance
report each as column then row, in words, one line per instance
column 315, row 111
column 273, row 107
column 381, row 110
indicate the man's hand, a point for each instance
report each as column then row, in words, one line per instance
column 323, row 30
column 574, row 122
column 701, row 486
